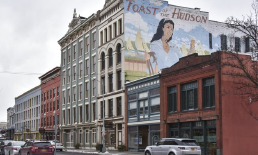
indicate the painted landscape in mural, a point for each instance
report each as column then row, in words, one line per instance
column 157, row 35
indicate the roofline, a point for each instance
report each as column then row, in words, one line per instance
column 27, row 92
column 49, row 72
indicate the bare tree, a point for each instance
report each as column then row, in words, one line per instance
column 243, row 69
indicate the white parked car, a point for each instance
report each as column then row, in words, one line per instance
column 13, row 147
column 174, row 146
column 59, row 146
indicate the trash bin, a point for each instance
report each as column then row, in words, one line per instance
column 100, row 147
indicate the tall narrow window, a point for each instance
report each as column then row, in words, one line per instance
column 69, row 96
column 80, row 95
column 237, row 44
column 64, row 78
column 94, row 87
column 110, row 32
column 87, row 113
column 63, row 58
column 94, row 45
column 86, row 89
column 101, row 109
column 209, row 92
column 110, row 108
column 74, row 115
column 63, row 116
column 110, row 57
column 74, row 94
column 120, row 26
column 63, row 97
column 223, row 42
column 101, row 38
column 94, row 63
column 69, row 116
column 47, row 107
column 87, row 49
column 105, row 35
column 54, row 92
column 103, row 61
column 80, row 70
column 57, row 89
column 110, row 79
column 69, row 76
column 87, row 65
column 81, row 48
column 54, row 105
column 115, row 29
column 80, row 113
column 189, row 96
column 57, row 107
column 247, row 44
column 74, row 52
column 119, row 106
column 50, row 106
column 69, row 55
column 172, row 101
column 119, row 55
column 119, row 80
column 93, row 111
column 210, row 40
column 103, row 85
column 51, row 93
column 74, row 73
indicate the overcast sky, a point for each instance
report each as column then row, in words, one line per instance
column 30, row 29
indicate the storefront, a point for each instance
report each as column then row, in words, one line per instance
column 203, row 131
column 141, row 136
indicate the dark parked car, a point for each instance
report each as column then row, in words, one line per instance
column 37, row 148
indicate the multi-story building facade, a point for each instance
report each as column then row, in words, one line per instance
column 142, row 115
column 27, row 111
column 3, row 125
column 10, row 123
column 199, row 101
column 50, row 103
column 79, row 57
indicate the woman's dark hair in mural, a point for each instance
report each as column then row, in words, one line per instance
column 160, row 32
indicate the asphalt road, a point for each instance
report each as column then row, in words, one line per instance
column 70, row 153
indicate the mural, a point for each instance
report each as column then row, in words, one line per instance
column 157, row 35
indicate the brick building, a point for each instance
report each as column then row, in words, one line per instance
column 50, row 103
column 194, row 105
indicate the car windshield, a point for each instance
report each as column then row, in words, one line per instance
column 42, row 144
column 18, row 143
column 188, row 143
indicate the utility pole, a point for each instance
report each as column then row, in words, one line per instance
column 55, row 131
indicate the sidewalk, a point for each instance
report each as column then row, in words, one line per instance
column 110, row 152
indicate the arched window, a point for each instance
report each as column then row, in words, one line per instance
column 119, row 55
column 102, row 60
column 110, row 54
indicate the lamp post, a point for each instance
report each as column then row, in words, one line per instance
column 103, row 128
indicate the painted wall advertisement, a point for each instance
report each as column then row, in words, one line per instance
column 157, row 35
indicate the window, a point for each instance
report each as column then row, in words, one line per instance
column 87, row 66
column 93, row 111
column 94, row 136
column 132, row 97
column 120, row 26
column 105, row 35
column 51, row 121
column 41, row 97
column 80, row 70
column 47, row 107
column 47, row 94
column 93, row 63
column 132, row 109
column 74, row 94
column 80, row 95
column 119, row 106
column 110, row 57
column 115, row 29
column 154, row 105
column 50, row 93
column 223, row 42
column 57, row 91
column 54, row 105
column 69, row 116
column 101, row 109
column 189, row 96
column 63, row 97
column 63, row 116
column 54, row 121
column 69, row 55
column 80, row 114
column 93, row 87
column 42, row 111
column 172, row 101
column 69, row 97
column 50, row 106
column 101, row 38
column 47, row 121
column 110, row 79
column 110, row 108
column 69, row 76
column 86, row 89
column 81, row 48
column 74, row 115
column 94, row 40
column 103, row 61
column 74, row 52
column 209, row 92
column 63, row 58
column 247, row 44
column 57, row 107
column 54, row 92
column 237, row 44
column 119, row 55
column 87, row 49
column 64, row 78
column 110, row 32
column 87, row 135
column 119, row 80
column 74, row 73
column 87, row 113
column 210, row 40
column 103, row 85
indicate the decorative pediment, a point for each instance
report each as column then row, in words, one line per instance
column 75, row 21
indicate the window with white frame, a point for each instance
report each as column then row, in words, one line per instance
column 87, row 136
column 94, row 136
column 80, row 94
column 69, row 76
column 74, row 52
column 94, row 45
column 80, row 70
column 69, row 96
column 74, row 94
column 87, row 48
column 74, row 73
column 87, row 66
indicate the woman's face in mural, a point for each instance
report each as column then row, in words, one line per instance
column 168, row 31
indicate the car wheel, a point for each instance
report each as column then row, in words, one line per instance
column 171, row 153
column 61, row 150
column 147, row 153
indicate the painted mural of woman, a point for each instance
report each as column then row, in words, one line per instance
column 164, row 51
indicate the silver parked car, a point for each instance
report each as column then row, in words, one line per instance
column 174, row 146
column 59, row 146
column 13, row 147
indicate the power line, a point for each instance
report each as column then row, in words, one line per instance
column 20, row 73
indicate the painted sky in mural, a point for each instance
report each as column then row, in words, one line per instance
column 158, row 34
